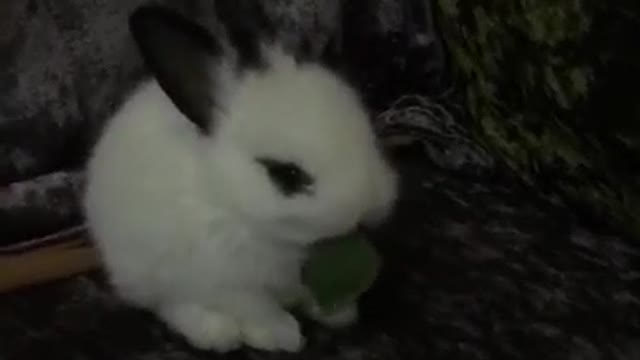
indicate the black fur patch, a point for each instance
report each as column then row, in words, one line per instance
column 179, row 53
column 247, row 26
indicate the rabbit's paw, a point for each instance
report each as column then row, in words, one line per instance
column 343, row 317
column 203, row 328
column 273, row 332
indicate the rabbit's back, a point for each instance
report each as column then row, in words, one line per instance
column 141, row 201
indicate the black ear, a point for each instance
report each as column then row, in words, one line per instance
column 181, row 55
column 332, row 52
column 355, row 31
column 247, row 24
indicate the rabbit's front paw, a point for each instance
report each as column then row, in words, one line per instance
column 344, row 317
column 275, row 332
column 203, row 328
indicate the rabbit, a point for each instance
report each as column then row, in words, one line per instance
column 208, row 185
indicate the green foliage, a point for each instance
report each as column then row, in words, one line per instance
column 339, row 271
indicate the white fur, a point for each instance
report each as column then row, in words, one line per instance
column 192, row 228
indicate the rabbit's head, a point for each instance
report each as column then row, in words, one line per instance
column 285, row 144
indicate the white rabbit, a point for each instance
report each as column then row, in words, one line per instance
column 210, row 182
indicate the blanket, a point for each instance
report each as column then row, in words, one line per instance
column 478, row 264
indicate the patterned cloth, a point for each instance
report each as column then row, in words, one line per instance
column 552, row 86
column 478, row 263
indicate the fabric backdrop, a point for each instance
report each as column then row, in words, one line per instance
column 553, row 90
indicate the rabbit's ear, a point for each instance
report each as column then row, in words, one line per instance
column 181, row 55
column 247, row 25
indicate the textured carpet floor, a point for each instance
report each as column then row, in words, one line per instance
column 475, row 268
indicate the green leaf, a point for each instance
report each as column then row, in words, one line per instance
column 339, row 270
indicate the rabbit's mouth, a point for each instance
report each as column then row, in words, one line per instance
column 306, row 233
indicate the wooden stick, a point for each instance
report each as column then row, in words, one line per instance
column 46, row 264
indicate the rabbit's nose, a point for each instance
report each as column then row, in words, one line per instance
column 372, row 220
column 367, row 227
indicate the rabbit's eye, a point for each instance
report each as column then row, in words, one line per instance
column 288, row 177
